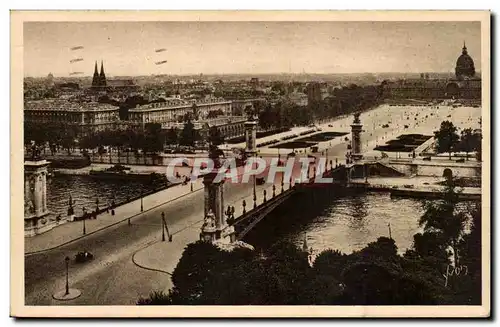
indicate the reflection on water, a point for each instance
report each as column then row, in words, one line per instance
column 348, row 223
column 85, row 190
column 353, row 222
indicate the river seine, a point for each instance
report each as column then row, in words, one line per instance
column 346, row 223
column 85, row 190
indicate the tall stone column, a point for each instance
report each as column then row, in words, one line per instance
column 214, row 197
column 251, row 137
column 356, row 129
column 36, row 218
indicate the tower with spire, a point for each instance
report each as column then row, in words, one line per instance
column 99, row 79
column 95, row 78
column 102, row 76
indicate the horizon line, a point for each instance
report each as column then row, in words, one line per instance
column 244, row 74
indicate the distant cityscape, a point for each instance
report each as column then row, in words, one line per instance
column 120, row 103
column 98, row 150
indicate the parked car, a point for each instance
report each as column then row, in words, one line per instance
column 461, row 160
column 83, row 256
column 260, row 180
column 427, row 158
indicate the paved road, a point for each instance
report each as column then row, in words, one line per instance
column 112, row 278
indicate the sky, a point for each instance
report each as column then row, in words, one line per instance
column 128, row 48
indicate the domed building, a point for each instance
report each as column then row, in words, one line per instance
column 465, row 66
column 466, row 86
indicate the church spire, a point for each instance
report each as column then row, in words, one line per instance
column 102, row 68
column 102, row 76
column 95, row 79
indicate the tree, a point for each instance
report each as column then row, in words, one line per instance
column 469, row 141
column 153, row 138
column 479, row 148
column 444, row 220
column 155, row 298
column 187, row 136
column 330, row 262
column 171, row 137
column 215, row 138
column 447, row 137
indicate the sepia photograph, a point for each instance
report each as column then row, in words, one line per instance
column 250, row 164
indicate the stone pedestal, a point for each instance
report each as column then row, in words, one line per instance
column 36, row 215
column 72, row 294
column 208, row 230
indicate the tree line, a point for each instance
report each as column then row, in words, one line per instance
column 448, row 140
column 342, row 101
column 151, row 138
column 425, row 274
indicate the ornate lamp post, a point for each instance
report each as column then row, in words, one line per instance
column 162, row 227
column 67, row 274
column 142, row 205
column 254, row 193
column 83, row 220
column 326, row 160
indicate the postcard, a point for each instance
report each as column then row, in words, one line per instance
column 250, row 164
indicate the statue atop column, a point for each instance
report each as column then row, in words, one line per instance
column 34, row 152
column 356, row 118
column 251, row 113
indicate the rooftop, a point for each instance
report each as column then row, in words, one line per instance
column 65, row 105
column 176, row 103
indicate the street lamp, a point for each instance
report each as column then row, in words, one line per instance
column 254, row 193
column 83, row 220
column 326, row 161
column 67, row 273
column 162, row 227
column 142, row 206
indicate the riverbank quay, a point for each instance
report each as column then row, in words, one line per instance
column 72, row 231
column 139, row 169
column 419, row 187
